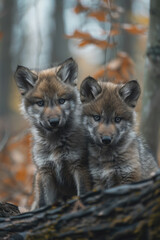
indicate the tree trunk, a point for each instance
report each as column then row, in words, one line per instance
column 125, row 212
column 5, row 56
column 151, row 97
column 59, row 48
column 125, row 40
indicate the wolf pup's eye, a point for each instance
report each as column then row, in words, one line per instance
column 117, row 119
column 97, row 118
column 40, row 103
column 61, row 101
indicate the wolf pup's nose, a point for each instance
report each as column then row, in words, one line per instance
column 106, row 140
column 54, row 122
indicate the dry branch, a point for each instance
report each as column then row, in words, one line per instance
column 125, row 212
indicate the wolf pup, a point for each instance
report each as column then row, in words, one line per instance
column 117, row 155
column 51, row 103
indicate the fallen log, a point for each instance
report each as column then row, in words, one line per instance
column 125, row 212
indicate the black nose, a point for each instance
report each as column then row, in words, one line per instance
column 106, row 139
column 54, row 122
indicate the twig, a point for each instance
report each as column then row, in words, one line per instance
column 39, row 45
column 4, row 140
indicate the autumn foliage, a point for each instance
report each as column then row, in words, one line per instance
column 121, row 68
column 86, row 38
column 16, row 171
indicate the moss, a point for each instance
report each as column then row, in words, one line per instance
column 141, row 231
column 154, row 221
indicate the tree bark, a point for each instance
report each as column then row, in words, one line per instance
column 125, row 40
column 151, row 98
column 5, row 56
column 125, row 212
column 59, row 48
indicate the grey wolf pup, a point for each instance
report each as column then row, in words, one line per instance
column 117, row 155
column 51, row 103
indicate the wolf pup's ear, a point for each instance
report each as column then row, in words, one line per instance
column 130, row 93
column 25, row 79
column 89, row 89
column 68, row 71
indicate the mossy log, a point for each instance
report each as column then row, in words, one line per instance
column 125, row 212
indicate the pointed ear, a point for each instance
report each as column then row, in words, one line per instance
column 130, row 93
column 89, row 89
column 25, row 79
column 68, row 71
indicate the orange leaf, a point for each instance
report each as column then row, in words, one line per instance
column 114, row 32
column 80, row 8
column 114, row 64
column 78, row 34
column 1, row 35
column 16, row 172
column 99, row 15
column 134, row 29
column 83, row 43
column 99, row 43
column 21, row 174
column 100, row 73
column 87, row 39
column 120, row 68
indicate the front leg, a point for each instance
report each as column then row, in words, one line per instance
column 125, row 174
column 82, row 181
column 45, row 189
column 83, row 185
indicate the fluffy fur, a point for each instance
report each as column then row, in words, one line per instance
column 117, row 155
column 51, row 103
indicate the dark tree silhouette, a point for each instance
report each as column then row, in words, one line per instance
column 5, row 56
column 151, row 111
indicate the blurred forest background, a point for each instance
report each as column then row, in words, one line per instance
column 107, row 38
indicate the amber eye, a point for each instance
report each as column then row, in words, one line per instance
column 97, row 118
column 117, row 119
column 61, row 101
column 40, row 103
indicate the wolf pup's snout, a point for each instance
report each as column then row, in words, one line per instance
column 54, row 122
column 106, row 140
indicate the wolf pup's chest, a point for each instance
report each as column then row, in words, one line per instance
column 55, row 161
column 45, row 155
